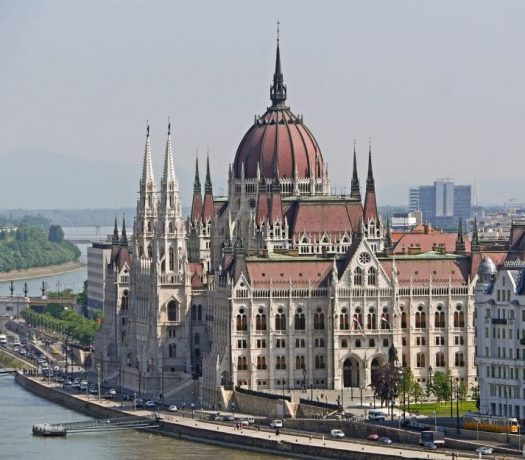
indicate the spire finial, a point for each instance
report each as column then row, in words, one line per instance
column 355, row 189
column 278, row 88
column 169, row 126
column 147, row 168
column 124, row 238
column 207, row 184
column 370, row 177
column 197, row 180
column 147, row 128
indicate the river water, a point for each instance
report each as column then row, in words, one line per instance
column 72, row 280
column 20, row 410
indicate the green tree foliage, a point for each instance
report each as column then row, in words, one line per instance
column 55, row 234
column 82, row 329
column 417, row 392
column 385, row 382
column 441, row 386
column 29, row 247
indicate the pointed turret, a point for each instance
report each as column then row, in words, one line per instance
column 147, row 167
column 169, row 168
column 475, row 236
column 355, row 190
column 275, row 214
column 207, row 205
column 262, row 204
column 388, row 238
column 115, row 238
column 460, row 242
column 124, row 236
column 370, row 208
column 278, row 88
column 196, row 205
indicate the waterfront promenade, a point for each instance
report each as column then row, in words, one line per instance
column 286, row 442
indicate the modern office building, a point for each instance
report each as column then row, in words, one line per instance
column 442, row 204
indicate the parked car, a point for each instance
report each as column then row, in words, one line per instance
column 244, row 422
column 337, row 434
column 150, row 404
column 68, row 382
column 251, row 420
column 214, row 417
column 173, row 408
column 228, row 418
column 108, row 395
column 384, row 440
column 276, row 424
column 376, row 416
column 485, row 450
column 373, row 437
column 93, row 390
column 415, row 425
column 138, row 402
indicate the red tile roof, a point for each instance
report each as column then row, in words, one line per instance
column 262, row 274
column 422, row 270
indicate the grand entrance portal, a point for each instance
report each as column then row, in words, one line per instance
column 351, row 373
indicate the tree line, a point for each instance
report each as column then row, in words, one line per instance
column 30, row 246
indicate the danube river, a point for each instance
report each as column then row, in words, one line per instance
column 73, row 280
column 20, row 410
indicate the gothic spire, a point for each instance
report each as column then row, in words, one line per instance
column 475, row 235
column 460, row 242
column 115, row 239
column 207, row 184
column 355, row 191
column 278, row 88
column 147, row 168
column 370, row 185
column 124, row 237
column 197, row 180
column 169, row 169
column 370, row 207
column 388, row 237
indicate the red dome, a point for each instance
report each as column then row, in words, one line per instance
column 280, row 143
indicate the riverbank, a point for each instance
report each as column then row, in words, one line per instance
column 38, row 272
column 289, row 443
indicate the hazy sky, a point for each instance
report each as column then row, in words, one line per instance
column 439, row 86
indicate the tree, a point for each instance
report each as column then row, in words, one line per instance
column 417, row 392
column 386, row 383
column 441, row 386
column 56, row 234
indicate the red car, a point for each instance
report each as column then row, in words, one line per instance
column 373, row 437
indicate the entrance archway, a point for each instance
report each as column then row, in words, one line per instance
column 376, row 363
column 351, row 373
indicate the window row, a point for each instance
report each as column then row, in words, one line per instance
column 280, row 363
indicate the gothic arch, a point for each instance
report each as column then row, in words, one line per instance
column 351, row 367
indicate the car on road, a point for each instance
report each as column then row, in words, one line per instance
column 337, row 434
column 214, row 417
column 68, row 382
column 415, row 425
column 430, row 446
column 485, row 450
column 108, row 395
column 150, row 404
column 276, row 424
column 138, row 402
column 228, row 418
column 173, row 408
column 112, row 392
column 93, row 390
column 384, row 440
column 373, row 437
column 376, row 416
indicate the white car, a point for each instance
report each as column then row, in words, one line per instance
column 150, row 404
column 485, row 450
column 173, row 408
column 276, row 424
column 337, row 434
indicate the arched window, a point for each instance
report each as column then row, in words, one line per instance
column 440, row 359
column 372, row 276
column 458, row 360
column 403, row 320
column 319, row 362
column 459, row 319
column 344, row 322
column 199, row 312
column 150, row 251
column 280, row 363
column 357, row 321
column 299, row 321
column 385, row 320
column 371, row 320
column 299, row 362
column 172, row 350
column 124, row 301
column 194, row 312
column 420, row 360
column 280, row 321
column 260, row 321
column 261, row 362
column 196, row 338
column 242, row 321
column 242, row 363
column 172, row 311
column 170, row 226
column 439, row 319
column 319, row 319
column 344, row 343
column 149, row 226
column 358, row 276
column 421, row 320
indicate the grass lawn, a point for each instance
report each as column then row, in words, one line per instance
column 442, row 409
